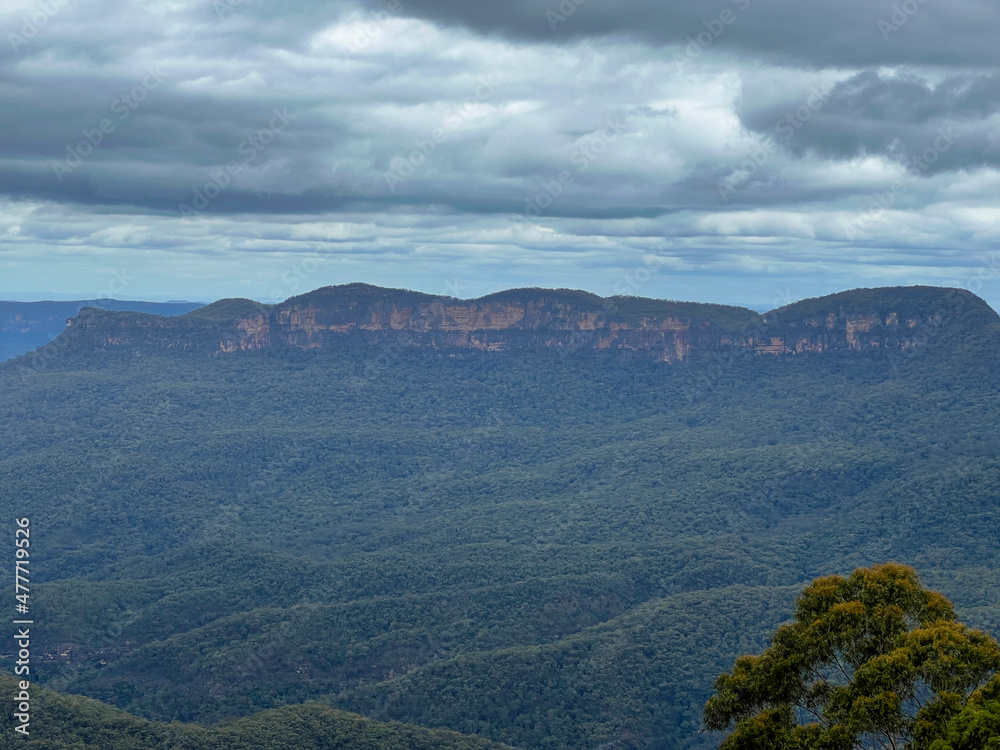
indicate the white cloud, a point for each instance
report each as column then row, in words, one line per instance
column 366, row 89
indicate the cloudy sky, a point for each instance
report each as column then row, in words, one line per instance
column 749, row 151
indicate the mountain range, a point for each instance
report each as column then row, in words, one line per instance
column 860, row 320
column 542, row 518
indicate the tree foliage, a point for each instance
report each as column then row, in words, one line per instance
column 977, row 726
column 874, row 660
column 71, row 722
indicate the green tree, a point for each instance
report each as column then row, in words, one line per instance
column 977, row 727
column 871, row 661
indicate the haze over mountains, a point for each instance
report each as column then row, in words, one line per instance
column 27, row 325
column 541, row 517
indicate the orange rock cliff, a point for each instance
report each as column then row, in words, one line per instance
column 867, row 319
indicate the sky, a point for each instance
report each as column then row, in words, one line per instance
column 738, row 151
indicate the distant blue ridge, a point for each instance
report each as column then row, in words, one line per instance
column 25, row 326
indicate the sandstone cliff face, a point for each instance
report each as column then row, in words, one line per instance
column 489, row 325
column 864, row 320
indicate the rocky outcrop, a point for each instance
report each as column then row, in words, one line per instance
column 861, row 320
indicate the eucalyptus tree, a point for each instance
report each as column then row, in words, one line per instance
column 874, row 661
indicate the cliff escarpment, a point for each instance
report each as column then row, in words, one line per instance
column 899, row 318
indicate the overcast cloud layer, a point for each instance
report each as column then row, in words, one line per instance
column 750, row 151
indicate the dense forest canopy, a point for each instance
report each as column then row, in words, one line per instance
column 545, row 548
column 69, row 722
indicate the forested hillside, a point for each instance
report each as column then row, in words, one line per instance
column 69, row 722
column 551, row 548
column 25, row 326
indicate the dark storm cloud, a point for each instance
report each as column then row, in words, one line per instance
column 161, row 129
column 523, row 138
column 184, row 91
column 900, row 116
column 847, row 33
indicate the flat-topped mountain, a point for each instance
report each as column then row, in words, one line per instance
column 863, row 319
